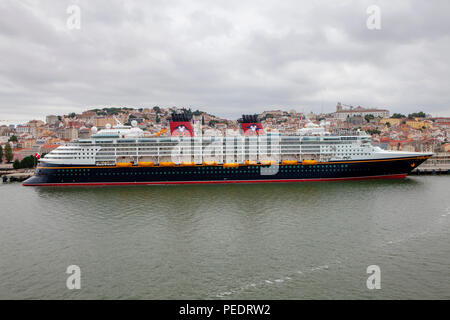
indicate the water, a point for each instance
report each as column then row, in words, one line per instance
column 269, row 241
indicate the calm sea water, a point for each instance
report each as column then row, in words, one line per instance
column 269, row 241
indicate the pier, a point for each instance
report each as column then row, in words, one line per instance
column 431, row 170
column 9, row 174
column 18, row 176
column 438, row 164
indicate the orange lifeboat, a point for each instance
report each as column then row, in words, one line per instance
column 268, row 162
column 210, row 163
column 167, row 164
column 124, row 164
column 145, row 164
column 306, row 162
column 289, row 162
column 250, row 162
column 188, row 164
column 231, row 165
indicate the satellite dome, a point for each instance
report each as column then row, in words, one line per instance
column 108, row 126
column 134, row 123
column 94, row 130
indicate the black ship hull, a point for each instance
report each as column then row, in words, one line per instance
column 63, row 175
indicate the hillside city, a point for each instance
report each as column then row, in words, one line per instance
column 410, row 132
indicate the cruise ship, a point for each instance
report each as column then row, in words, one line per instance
column 126, row 155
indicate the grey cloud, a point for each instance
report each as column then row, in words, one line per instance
column 225, row 57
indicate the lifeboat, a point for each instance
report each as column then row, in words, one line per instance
column 188, row 164
column 210, row 163
column 289, row 162
column 309, row 162
column 167, row 164
column 124, row 164
column 250, row 162
column 268, row 162
column 231, row 165
column 145, row 164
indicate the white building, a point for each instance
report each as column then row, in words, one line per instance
column 349, row 112
column 23, row 129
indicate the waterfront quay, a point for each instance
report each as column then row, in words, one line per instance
column 439, row 163
column 9, row 174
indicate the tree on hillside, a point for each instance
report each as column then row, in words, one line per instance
column 212, row 123
column 398, row 116
column 157, row 109
column 8, row 153
column 111, row 111
column 12, row 139
column 419, row 114
column 1, row 154
column 373, row 131
column 369, row 117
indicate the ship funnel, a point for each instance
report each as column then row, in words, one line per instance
column 251, row 126
column 180, row 125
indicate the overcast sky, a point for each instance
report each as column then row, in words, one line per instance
column 225, row 57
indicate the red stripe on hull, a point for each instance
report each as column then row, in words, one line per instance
column 393, row 176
